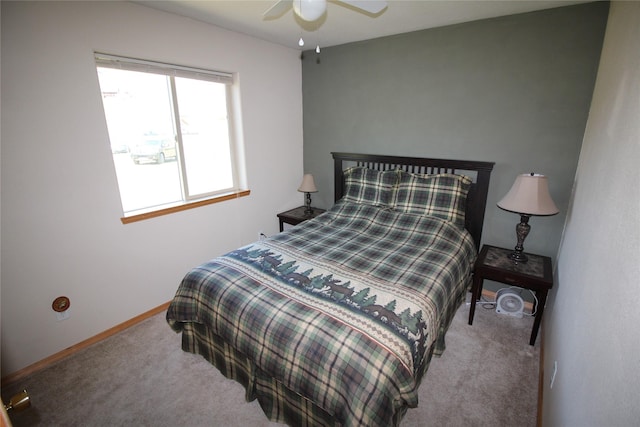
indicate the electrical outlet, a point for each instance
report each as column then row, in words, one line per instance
column 553, row 374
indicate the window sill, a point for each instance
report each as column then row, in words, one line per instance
column 183, row 207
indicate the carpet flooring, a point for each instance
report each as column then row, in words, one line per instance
column 488, row 376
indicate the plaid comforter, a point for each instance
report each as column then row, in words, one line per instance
column 344, row 310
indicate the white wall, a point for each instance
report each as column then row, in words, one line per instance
column 593, row 315
column 61, row 229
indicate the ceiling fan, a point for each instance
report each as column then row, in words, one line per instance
column 312, row 10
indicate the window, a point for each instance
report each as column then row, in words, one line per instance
column 171, row 133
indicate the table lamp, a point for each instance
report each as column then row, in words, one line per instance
column 308, row 186
column 529, row 196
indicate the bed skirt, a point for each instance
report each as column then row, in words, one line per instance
column 278, row 402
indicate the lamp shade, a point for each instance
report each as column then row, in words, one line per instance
column 308, row 184
column 529, row 195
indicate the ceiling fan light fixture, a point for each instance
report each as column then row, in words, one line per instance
column 310, row 10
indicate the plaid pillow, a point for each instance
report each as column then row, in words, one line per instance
column 440, row 195
column 369, row 186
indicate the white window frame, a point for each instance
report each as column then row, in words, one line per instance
column 189, row 201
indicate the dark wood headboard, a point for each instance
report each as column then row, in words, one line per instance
column 479, row 172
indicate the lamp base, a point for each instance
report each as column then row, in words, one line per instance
column 518, row 256
column 307, row 210
column 522, row 230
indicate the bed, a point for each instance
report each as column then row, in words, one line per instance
column 335, row 321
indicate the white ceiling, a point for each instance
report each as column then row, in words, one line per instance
column 342, row 24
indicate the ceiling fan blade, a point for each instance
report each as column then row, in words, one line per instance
column 278, row 9
column 372, row 6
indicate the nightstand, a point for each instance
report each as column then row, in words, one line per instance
column 297, row 215
column 493, row 264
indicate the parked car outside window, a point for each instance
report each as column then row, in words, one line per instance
column 154, row 149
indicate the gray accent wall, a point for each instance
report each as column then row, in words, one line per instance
column 513, row 90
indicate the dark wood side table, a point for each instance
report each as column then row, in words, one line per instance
column 297, row 215
column 493, row 264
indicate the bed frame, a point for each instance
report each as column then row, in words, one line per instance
column 479, row 172
column 280, row 403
